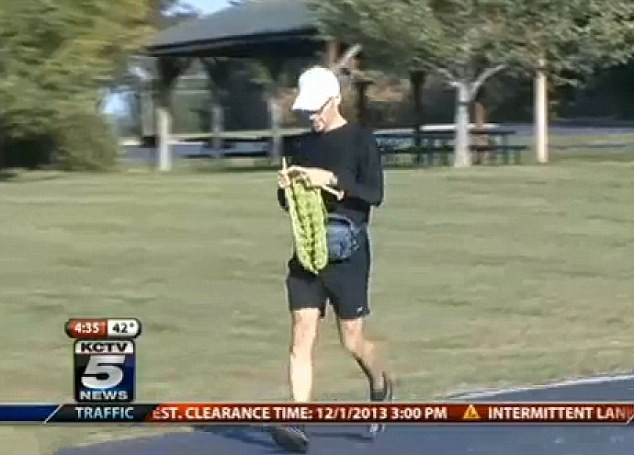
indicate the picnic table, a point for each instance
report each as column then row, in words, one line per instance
column 427, row 145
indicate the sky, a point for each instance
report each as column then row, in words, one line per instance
column 207, row 6
column 114, row 103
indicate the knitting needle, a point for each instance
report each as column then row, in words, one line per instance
column 337, row 193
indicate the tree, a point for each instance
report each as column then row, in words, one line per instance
column 55, row 59
column 469, row 41
column 573, row 40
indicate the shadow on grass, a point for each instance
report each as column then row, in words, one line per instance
column 21, row 176
column 7, row 176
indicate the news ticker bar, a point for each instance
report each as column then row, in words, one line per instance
column 271, row 413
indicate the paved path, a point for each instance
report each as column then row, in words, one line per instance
column 136, row 154
column 419, row 440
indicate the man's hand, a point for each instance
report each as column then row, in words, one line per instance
column 315, row 177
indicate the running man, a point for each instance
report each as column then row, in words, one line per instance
column 343, row 156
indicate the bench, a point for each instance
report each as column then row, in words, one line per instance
column 428, row 156
column 500, row 151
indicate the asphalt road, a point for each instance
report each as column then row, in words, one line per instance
column 137, row 154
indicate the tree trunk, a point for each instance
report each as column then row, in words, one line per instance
column 274, row 66
column 331, row 53
column 541, row 114
column 361, row 87
column 275, row 113
column 462, row 155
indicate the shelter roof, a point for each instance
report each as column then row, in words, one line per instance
column 255, row 28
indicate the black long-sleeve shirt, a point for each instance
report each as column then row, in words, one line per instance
column 351, row 153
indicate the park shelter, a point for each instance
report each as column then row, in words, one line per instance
column 270, row 31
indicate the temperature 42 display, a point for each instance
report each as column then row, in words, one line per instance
column 124, row 328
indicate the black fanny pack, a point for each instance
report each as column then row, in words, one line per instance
column 344, row 237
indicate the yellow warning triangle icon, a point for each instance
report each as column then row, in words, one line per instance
column 471, row 413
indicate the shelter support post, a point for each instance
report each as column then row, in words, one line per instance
column 274, row 67
column 417, row 80
column 164, row 121
column 218, row 71
column 168, row 70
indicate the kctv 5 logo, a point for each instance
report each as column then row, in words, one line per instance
column 104, row 370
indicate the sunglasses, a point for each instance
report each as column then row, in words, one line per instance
column 308, row 114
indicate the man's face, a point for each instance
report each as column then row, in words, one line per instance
column 322, row 118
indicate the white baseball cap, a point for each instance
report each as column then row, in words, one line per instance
column 316, row 86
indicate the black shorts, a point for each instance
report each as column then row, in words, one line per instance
column 344, row 284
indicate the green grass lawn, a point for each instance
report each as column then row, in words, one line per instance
column 484, row 277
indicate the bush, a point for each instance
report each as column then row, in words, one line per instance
column 85, row 143
column 78, row 142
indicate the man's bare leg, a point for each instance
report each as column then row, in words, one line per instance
column 364, row 351
column 304, row 335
